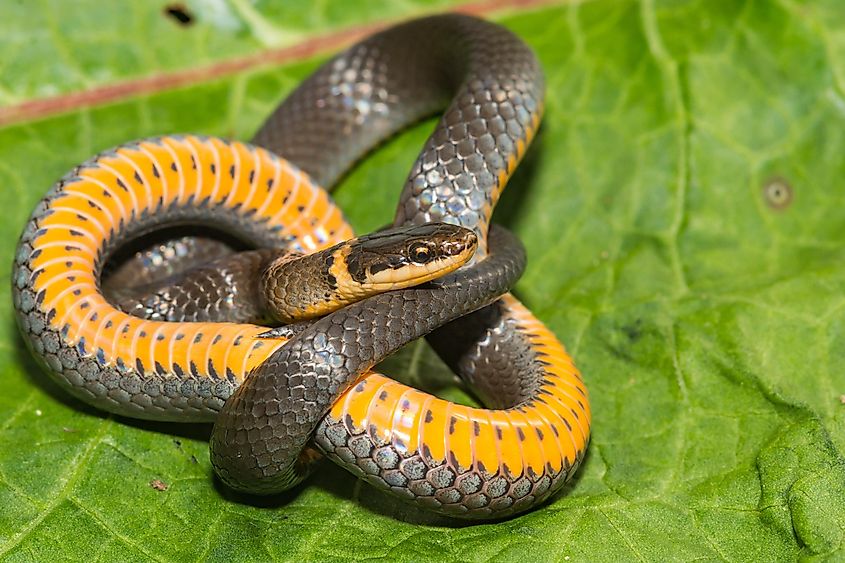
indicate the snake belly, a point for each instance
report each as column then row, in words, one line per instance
column 450, row 458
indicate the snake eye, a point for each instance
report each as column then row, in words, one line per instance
column 420, row 253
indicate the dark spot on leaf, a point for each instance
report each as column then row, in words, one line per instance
column 179, row 13
column 634, row 330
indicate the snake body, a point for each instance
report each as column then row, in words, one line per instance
column 450, row 458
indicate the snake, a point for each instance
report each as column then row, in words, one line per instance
column 282, row 397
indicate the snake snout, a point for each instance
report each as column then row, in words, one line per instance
column 465, row 240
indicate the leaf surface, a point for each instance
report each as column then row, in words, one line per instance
column 684, row 217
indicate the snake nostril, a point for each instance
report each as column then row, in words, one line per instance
column 455, row 248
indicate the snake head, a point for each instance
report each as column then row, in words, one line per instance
column 304, row 287
column 406, row 256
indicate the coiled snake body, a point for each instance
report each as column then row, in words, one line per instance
column 313, row 383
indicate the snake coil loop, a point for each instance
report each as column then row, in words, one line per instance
column 272, row 393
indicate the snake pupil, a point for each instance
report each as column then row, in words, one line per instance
column 420, row 253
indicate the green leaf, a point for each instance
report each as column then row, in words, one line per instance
column 683, row 213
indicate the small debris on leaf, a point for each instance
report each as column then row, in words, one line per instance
column 158, row 485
